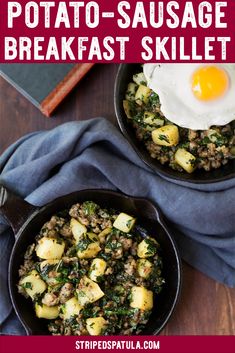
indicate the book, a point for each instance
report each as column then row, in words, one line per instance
column 45, row 85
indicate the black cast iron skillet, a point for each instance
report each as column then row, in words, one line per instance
column 26, row 221
column 124, row 76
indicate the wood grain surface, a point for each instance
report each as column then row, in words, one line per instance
column 205, row 306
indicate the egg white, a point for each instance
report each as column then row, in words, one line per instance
column 172, row 82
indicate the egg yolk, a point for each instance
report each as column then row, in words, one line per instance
column 209, row 83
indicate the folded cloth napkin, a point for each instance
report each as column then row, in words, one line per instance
column 93, row 154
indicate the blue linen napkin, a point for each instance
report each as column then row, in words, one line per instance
column 93, row 154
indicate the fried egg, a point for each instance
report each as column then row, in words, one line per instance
column 194, row 96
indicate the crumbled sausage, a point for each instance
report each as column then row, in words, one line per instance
column 65, row 292
column 50, row 299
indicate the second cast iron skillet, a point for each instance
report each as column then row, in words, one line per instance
column 124, row 76
column 26, row 221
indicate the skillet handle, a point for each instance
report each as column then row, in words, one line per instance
column 14, row 209
column 151, row 210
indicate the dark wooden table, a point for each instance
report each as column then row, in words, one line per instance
column 205, row 307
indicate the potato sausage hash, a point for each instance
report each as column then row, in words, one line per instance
column 92, row 271
column 180, row 148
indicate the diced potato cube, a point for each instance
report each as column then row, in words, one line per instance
column 141, row 298
column 102, row 235
column 124, row 222
column 88, row 247
column 147, row 248
column 130, row 93
column 167, row 135
column 97, row 268
column 91, row 251
column 140, row 78
column 127, row 109
column 33, row 284
column 95, row 325
column 78, row 229
column 186, row 160
column 88, row 291
column 148, row 118
column 142, row 95
column 51, row 266
column 152, row 120
column 214, row 136
column 50, row 248
column 144, row 268
column 70, row 308
column 46, row 312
